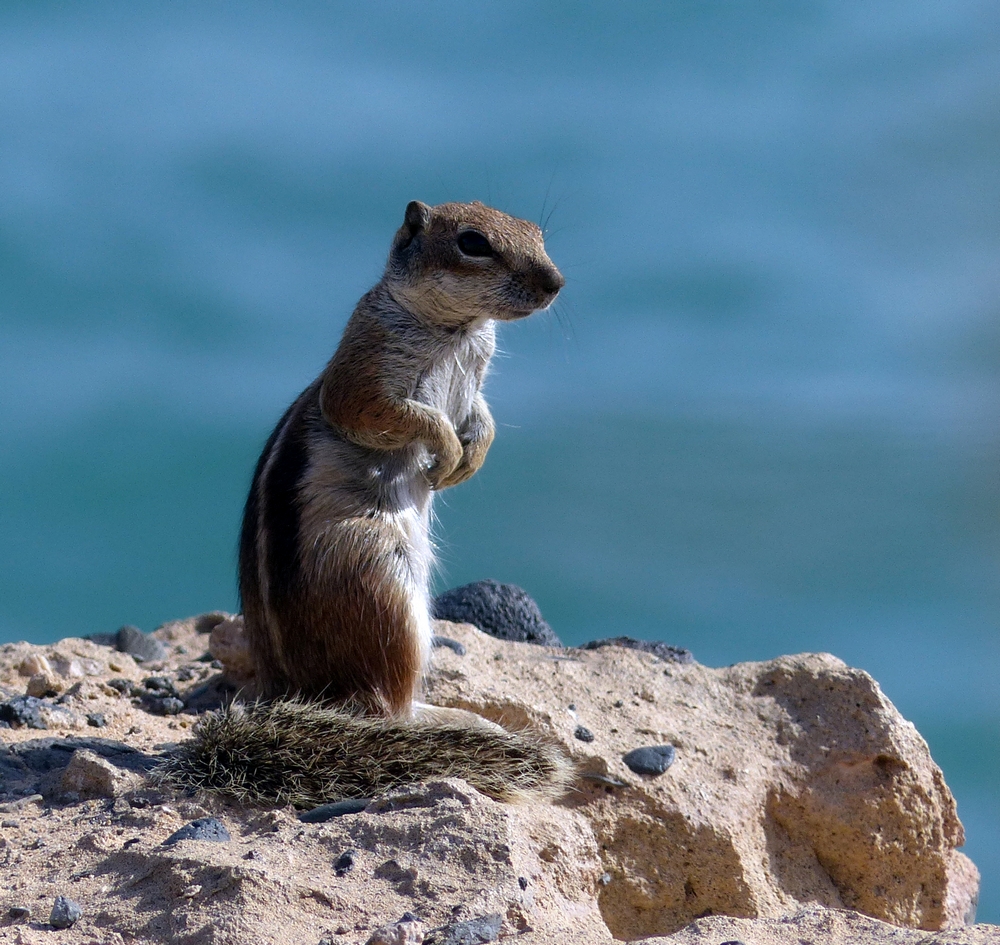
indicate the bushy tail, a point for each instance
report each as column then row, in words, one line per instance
column 305, row 754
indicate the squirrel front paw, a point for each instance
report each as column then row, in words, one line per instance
column 473, row 457
column 447, row 460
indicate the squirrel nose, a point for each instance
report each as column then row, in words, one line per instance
column 550, row 281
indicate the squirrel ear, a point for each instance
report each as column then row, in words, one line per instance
column 418, row 216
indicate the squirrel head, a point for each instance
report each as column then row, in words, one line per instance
column 459, row 263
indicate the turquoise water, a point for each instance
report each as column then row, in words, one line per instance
column 762, row 419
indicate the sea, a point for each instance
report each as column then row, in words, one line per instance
column 762, row 418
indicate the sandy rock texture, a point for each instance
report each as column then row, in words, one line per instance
column 799, row 806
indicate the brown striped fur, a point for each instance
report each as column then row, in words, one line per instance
column 335, row 553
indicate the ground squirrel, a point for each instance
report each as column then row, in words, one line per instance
column 335, row 553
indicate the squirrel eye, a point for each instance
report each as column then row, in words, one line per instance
column 472, row 243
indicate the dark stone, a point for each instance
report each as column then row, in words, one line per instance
column 160, row 685
column 504, row 611
column 471, row 932
column 210, row 829
column 65, row 913
column 213, row 694
column 167, row 705
column 663, row 651
column 142, row 647
column 653, row 760
column 522, row 881
column 19, row 912
column 35, row 766
column 96, row 719
column 344, row 863
column 325, row 812
column 22, row 711
column 451, row 644
column 125, row 686
column 583, row 733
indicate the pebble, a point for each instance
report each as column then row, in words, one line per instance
column 43, row 684
column 19, row 912
column 140, row 646
column 96, row 719
column 344, row 863
column 653, row 760
column 408, row 930
column 472, row 931
column 125, row 686
column 163, row 705
column 34, row 664
column 583, row 733
column 451, row 644
column 663, row 651
column 504, row 611
column 160, row 684
column 23, row 711
column 65, row 913
column 19, row 804
column 210, row 829
column 325, row 812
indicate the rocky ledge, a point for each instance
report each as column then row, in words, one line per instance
column 777, row 802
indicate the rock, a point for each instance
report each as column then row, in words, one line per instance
column 19, row 913
column 65, row 913
column 409, row 930
column 776, row 762
column 142, row 647
column 161, row 685
column 583, row 733
column 344, row 863
column 665, row 651
column 44, row 684
column 653, row 760
column 23, row 711
column 182, row 631
column 209, row 829
column 325, row 812
column 471, row 931
column 504, row 611
column 819, row 926
column 796, row 781
column 33, row 664
column 452, row 645
column 229, row 646
column 163, row 705
column 90, row 775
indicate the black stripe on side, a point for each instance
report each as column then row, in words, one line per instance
column 281, row 508
column 249, row 566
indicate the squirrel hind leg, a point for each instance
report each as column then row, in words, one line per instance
column 359, row 633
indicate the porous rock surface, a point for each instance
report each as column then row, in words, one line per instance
column 800, row 807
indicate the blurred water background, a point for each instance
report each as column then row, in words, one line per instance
column 762, row 420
